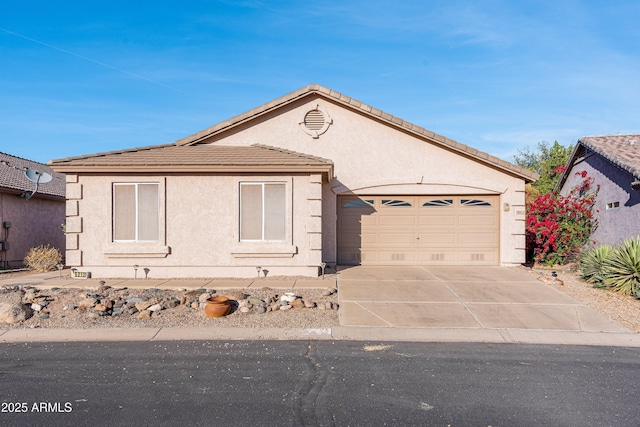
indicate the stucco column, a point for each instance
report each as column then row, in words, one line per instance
column 313, row 224
column 73, row 256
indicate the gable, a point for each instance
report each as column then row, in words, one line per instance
column 322, row 96
column 620, row 151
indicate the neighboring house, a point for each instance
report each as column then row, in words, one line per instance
column 613, row 161
column 313, row 177
column 27, row 223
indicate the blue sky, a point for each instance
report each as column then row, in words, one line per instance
column 86, row 77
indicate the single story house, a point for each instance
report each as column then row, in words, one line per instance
column 314, row 177
column 613, row 161
column 29, row 222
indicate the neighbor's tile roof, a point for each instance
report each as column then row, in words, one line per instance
column 12, row 176
column 199, row 158
column 365, row 109
column 622, row 150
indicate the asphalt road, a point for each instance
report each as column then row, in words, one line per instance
column 319, row 383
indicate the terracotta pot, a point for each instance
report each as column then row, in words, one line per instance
column 217, row 307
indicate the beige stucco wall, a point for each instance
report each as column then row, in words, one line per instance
column 199, row 228
column 34, row 222
column 371, row 157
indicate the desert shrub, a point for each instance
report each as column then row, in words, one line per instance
column 592, row 265
column 621, row 269
column 43, row 258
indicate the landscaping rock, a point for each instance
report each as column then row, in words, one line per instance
column 99, row 307
column 171, row 303
column 255, row 300
column 143, row 305
column 87, row 302
column 14, row 312
column 235, row 295
column 155, row 307
column 144, row 314
column 297, row 303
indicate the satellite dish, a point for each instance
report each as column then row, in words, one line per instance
column 36, row 177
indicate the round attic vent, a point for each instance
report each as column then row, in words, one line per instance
column 316, row 121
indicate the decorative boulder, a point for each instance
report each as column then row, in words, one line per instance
column 14, row 312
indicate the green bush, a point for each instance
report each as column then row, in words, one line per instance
column 43, row 258
column 621, row 270
column 592, row 265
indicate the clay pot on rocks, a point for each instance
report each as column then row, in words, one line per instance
column 217, row 307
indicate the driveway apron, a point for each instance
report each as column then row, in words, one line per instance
column 460, row 297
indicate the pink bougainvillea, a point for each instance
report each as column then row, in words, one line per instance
column 558, row 225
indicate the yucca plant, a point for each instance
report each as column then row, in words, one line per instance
column 592, row 265
column 622, row 268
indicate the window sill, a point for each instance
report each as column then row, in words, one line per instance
column 263, row 250
column 137, row 250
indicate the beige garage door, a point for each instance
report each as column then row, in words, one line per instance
column 418, row 230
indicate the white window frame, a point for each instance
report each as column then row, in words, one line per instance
column 137, row 231
column 262, row 184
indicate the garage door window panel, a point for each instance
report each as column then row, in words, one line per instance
column 439, row 203
column 474, row 202
column 396, row 203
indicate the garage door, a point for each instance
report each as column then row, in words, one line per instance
column 418, row 230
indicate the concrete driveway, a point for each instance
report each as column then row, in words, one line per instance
column 475, row 299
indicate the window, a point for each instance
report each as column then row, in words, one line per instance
column 358, row 203
column 438, row 202
column 613, row 205
column 136, row 212
column 263, row 211
column 395, row 203
column 474, row 202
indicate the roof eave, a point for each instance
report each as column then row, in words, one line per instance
column 130, row 169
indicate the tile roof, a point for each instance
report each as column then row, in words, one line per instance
column 12, row 177
column 622, row 150
column 199, row 158
column 315, row 89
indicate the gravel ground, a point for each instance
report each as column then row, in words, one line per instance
column 64, row 309
column 621, row 308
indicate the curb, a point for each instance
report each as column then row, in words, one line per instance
column 426, row 335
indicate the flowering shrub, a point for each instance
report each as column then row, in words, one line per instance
column 559, row 225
